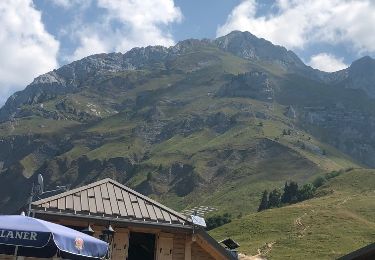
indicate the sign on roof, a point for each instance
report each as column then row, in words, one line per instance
column 198, row 221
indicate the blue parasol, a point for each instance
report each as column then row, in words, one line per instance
column 26, row 236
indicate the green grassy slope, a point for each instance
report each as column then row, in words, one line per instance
column 326, row 227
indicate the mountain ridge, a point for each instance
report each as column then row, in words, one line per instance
column 177, row 123
column 68, row 77
column 243, row 44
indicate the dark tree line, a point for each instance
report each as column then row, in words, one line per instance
column 217, row 221
column 291, row 194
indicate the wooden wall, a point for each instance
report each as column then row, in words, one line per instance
column 179, row 241
column 198, row 253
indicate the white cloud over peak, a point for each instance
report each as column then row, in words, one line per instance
column 297, row 23
column 327, row 62
column 26, row 48
column 127, row 24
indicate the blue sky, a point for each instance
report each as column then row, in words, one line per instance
column 37, row 36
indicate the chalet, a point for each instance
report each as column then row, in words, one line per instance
column 136, row 226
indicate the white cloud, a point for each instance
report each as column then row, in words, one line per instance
column 63, row 3
column 26, row 49
column 297, row 23
column 327, row 62
column 71, row 3
column 126, row 24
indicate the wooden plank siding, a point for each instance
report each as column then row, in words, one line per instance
column 179, row 247
column 198, row 253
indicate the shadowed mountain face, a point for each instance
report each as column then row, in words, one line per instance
column 360, row 75
column 188, row 123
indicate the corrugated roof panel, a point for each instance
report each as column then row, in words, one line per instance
column 133, row 198
column 104, row 190
column 90, row 193
column 118, row 193
column 61, row 203
column 98, row 199
column 128, row 204
column 120, row 201
column 173, row 218
column 166, row 216
column 137, row 210
column 113, row 199
column 53, row 204
column 159, row 215
column 69, row 202
column 107, row 206
column 122, row 208
column 151, row 211
column 84, row 201
column 92, row 205
column 77, row 202
column 143, row 209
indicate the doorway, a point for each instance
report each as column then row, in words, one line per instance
column 141, row 246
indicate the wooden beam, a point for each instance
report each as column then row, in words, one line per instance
column 188, row 243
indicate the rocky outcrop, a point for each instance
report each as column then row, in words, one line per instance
column 350, row 131
column 291, row 112
column 254, row 84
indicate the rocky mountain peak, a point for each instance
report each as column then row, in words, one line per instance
column 248, row 46
column 363, row 66
column 188, row 45
column 360, row 75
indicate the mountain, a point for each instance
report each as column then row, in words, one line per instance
column 204, row 122
column 72, row 77
column 360, row 75
column 337, row 222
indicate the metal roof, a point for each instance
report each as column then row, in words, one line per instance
column 111, row 199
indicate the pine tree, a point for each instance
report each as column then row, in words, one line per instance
column 293, row 189
column 264, row 201
column 290, row 194
column 285, row 198
column 274, row 199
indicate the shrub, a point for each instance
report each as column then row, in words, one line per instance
column 306, row 192
column 319, row 181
